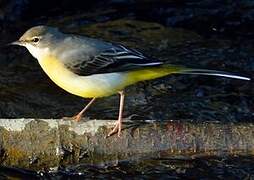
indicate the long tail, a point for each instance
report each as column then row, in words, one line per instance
column 210, row 73
column 164, row 70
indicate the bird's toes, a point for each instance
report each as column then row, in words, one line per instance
column 76, row 118
column 114, row 130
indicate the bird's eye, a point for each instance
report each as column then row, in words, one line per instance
column 35, row 39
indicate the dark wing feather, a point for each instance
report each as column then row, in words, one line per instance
column 116, row 59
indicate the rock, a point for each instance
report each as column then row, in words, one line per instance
column 49, row 144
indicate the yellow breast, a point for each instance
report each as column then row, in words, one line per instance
column 98, row 85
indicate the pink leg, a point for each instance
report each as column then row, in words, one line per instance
column 79, row 115
column 118, row 125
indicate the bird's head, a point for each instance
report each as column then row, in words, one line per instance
column 38, row 39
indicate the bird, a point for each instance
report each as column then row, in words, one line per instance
column 94, row 68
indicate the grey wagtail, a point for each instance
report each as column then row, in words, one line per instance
column 92, row 68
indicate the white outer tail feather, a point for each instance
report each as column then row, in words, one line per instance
column 212, row 73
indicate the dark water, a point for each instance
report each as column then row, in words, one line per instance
column 199, row 168
column 27, row 92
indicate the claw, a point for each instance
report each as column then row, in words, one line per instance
column 76, row 118
column 116, row 129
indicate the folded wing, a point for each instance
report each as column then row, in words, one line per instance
column 117, row 58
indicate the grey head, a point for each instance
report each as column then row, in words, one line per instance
column 38, row 36
column 39, row 39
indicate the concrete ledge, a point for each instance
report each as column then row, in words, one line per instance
column 44, row 143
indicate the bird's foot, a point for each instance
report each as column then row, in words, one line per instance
column 117, row 129
column 76, row 118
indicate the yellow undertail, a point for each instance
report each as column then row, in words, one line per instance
column 152, row 73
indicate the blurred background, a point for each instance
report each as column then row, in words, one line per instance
column 209, row 34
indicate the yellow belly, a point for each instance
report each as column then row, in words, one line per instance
column 98, row 85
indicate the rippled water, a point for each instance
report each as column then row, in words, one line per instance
column 199, row 168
